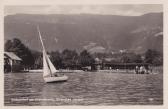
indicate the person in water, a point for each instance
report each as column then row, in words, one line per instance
column 142, row 70
column 136, row 69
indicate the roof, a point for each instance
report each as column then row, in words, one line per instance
column 5, row 57
column 12, row 56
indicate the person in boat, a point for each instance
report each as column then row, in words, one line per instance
column 55, row 74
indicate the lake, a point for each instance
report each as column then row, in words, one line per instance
column 84, row 88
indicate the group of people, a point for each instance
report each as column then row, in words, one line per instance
column 141, row 70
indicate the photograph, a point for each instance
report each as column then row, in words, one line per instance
column 83, row 55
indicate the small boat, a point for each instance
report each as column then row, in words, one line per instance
column 50, row 73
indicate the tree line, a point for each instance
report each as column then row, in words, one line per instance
column 71, row 58
column 33, row 59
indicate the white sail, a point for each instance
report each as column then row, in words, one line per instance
column 52, row 67
column 48, row 67
column 46, row 70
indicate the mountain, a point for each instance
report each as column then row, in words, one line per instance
column 87, row 31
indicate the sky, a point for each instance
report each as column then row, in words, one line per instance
column 125, row 10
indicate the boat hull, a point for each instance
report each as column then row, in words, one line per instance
column 56, row 79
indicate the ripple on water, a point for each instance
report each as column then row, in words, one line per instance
column 93, row 88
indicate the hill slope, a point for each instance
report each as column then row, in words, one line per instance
column 107, row 32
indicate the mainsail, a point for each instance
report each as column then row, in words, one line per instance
column 48, row 68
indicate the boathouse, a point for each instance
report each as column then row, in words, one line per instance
column 112, row 63
column 12, row 63
column 130, row 66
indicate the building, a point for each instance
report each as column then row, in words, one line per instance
column 12, row 63
column 114, row 63
column 130, row 66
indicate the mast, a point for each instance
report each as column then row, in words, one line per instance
column 40, row 38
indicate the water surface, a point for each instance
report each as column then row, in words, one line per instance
column 84, row 88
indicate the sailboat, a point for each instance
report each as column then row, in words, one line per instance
column 50, row 73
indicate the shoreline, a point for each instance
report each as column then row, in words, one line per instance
column 81, row 71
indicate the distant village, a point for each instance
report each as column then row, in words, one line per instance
column 18, row 57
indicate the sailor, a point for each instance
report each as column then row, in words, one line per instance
column 55, row 74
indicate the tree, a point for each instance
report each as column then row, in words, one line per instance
column 70, row 57
column 136, row 58
column 125, row 59
column 20, row 50
column 153, row 57
column 56, row 59
column 86, row 59
column 8, row 45
column 38, row 59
